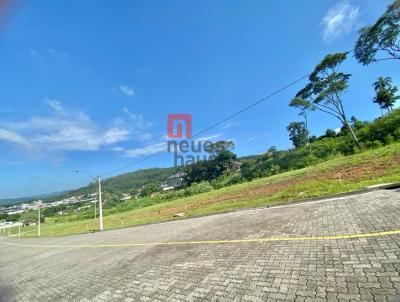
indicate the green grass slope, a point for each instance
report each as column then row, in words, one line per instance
column 342, row 174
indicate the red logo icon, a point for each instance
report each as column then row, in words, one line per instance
column 176, row 123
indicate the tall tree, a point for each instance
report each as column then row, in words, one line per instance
column 298, row 134
column 305, row 109
column 386, row 94
column 325, row 89
column 382, row 37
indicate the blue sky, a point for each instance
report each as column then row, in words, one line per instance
column 88, row 84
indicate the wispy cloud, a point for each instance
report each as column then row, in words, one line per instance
column 54, row 104
column 128, row 91
column 57, row 54
column 211, row 137
column 34, row 53
column 157, row 146
column 142, row 151
column 44, row 56
column 66, row 130
column 15, row 138
column 139, row 124
column 137, row 119
column 256, row 137
column 340, row 20
column 228, row 125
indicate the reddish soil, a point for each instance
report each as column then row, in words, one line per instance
column 365, row 170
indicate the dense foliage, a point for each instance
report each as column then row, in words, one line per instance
column 383, row 130
column 381, row 37
column 222, row 160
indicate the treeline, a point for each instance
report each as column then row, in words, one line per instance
column 384, row 130
column 219, row 171
column 324, row 92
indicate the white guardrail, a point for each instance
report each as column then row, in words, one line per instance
column 8, row 225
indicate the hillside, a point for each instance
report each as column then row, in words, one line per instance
column 129, row 181
column 342, row 174
column 383, row 130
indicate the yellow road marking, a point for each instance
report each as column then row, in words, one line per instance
column 253, row 240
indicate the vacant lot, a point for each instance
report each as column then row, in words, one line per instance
column 335, row 176
column 344, row 249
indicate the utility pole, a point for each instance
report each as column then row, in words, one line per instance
column 99, row 194
column 39, row 221
column 100, row 205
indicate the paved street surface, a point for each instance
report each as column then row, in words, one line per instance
column 359, row 267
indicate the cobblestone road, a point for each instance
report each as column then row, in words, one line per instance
column 352, row 269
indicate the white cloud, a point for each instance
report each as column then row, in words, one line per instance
column 139, row 124
column 54, row 104
column 339, row 20
column 230, row 125
column 142, row 151
column 156, row 147
column 137, row 119
column 128, row 91
column 63, row 130
column 256, row 137
column 252, row 138
column 212, row 137
column 118, row 149
column 15, row 138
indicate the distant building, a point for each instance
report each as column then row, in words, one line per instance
column 126, row 196
column 29, row 222
column 175, row 181
column 237, row 165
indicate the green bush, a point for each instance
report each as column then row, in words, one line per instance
column 197, row 188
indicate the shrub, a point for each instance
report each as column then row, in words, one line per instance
column 197, row 188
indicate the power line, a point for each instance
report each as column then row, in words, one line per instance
column 217, row 123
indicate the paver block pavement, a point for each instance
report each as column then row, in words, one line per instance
column 355, row 269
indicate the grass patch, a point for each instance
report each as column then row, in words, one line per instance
column 338, row 175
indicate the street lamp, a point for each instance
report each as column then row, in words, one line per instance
column 39, row 205
column 99, row 193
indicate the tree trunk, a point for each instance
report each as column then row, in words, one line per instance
column 346, row 121
column 308, row 133
column 351, row 131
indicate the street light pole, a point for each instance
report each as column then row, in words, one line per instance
column 100, row 205
column 99, row 196
column 38, row 221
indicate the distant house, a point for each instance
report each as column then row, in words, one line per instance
column 29, row 222
column 126, row 196
column 237, row 165
column 175, row 181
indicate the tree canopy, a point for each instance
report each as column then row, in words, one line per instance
column 298, row 134
column 325, row 89
column 386, row 94
column 381, row 37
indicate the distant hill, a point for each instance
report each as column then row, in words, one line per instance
column 123, row 183
column 13, row 201
column 129, row 181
